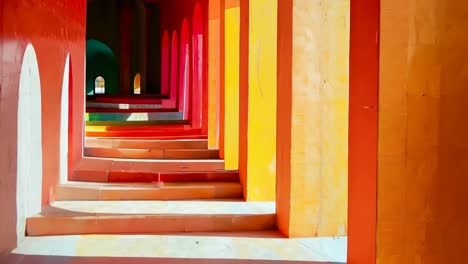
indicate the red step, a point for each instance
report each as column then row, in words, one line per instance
column 168, row 134
column 144, row 143
column 133, row 176
column 130, row 153
column 89, row 191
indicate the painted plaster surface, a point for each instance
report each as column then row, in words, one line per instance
column 51, row 44
column 231, row 87
column 159, row 207
column 29, row 145
column 216, row 246
column 261, row 163
column 423, row 157
column 148, row 116
column 315, row 185
column 214, row 75
column 64, row 124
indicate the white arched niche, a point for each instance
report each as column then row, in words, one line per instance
column 29, row 143
column 64, row 109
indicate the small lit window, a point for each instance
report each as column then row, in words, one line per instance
column 100, row 85
column 136, row 84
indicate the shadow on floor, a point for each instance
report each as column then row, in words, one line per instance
column 34, row 259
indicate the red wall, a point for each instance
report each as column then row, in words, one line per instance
column 173, row 14
column 55, row 28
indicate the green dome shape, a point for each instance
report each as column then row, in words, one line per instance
column 101, row 61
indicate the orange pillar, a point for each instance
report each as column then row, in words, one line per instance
column 215, row 72
column 243, row 91
column 312, row 134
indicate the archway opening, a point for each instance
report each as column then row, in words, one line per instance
column 99, row 85
column 137, row 84
column 64, row 121
column 101, row 62
column 29, row 143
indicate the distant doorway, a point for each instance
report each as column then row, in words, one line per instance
column 99, row 85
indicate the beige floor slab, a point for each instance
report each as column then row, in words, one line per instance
column 161, row 207
column 187, row 248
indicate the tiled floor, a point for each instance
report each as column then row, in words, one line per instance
column 255, row 247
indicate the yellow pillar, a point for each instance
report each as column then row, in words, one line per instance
column 231, row 85
column 261, row 131
column 313, row 58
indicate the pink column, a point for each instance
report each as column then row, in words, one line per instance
column 197, row 60
column 184, row 70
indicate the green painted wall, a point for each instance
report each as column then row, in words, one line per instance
column 103, row 26
column 101, row 61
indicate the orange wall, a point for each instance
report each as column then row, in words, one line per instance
column 423, row 143
column 54, row 29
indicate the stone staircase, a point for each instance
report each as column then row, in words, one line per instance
column 150, row 149
column 147, row 186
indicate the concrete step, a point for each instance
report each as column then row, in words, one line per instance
column 162, row 137
column 129, row 110
column 75, row 191
column 149, row 170
column 151, row 217
column 261, row 247
column 110, row 132
column 123, row 106
column 146, row 143
column 138, row 153
column 87, row 175
column 125, row 123
column 137, row 116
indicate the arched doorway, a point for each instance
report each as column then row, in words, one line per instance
column 29, row 143
column 137, row 84
column 101, row 61
column 99, row 85
column 64, row 112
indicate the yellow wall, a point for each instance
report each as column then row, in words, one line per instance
column 423, row 143
column 231, row 101
column 261, row 149
column 318, row 156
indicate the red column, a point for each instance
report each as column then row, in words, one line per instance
column 197, row 66
column 165, row 63
column 184, row 70
column 363, row 125
column 125, row 47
